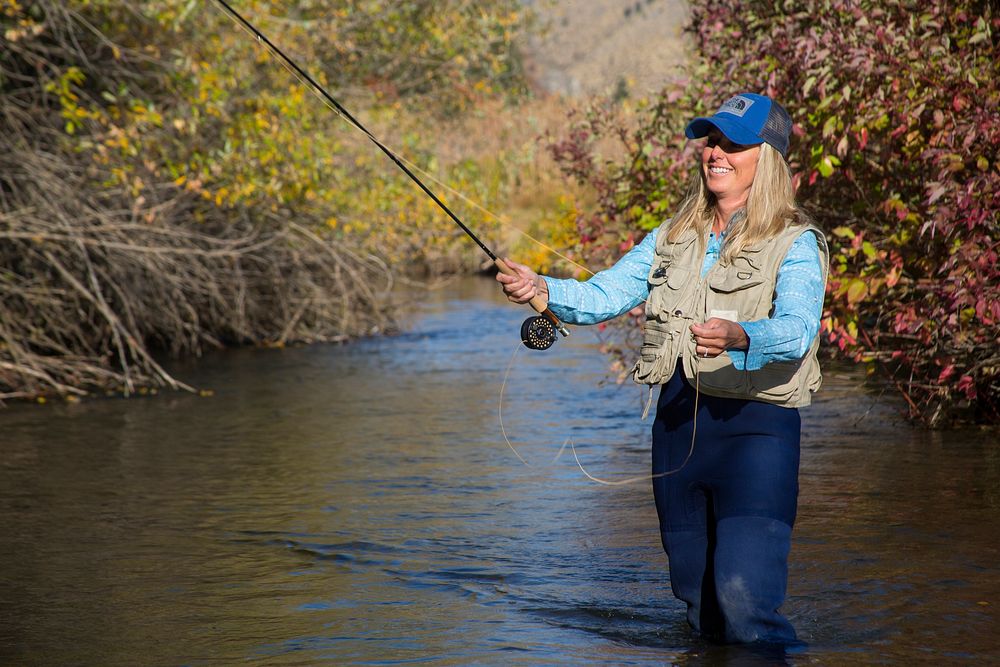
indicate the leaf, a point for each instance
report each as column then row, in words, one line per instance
column 857, row 290
column 825, row 166
column 830, row 126
column 946, row 373
column 967, row 385
column 937, row 190
column 843, row 146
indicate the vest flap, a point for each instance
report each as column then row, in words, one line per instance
column 748, row 261
column 674, row 275
column 735, row 279
column 677, row 277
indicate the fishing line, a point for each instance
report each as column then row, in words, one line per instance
column 503, row 430
column 569, row 441
column 645, row 478
column 407, row 166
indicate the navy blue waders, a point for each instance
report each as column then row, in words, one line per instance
column 726, row 518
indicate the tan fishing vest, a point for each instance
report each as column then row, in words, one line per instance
column 742, row 291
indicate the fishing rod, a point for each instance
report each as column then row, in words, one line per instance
column 537, row 333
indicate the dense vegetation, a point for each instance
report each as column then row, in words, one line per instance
column 165, row 185
column 896, row 106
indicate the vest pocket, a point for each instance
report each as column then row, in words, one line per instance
column 667, row 285
column 737, row 290
column 776, row 380
column 677, row 278
column 719, row 373
column 655, row 339
column 735, row 280
column 654, row 335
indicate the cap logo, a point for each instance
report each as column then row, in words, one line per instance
column 736, row 106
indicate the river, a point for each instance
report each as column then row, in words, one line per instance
column 358, row 505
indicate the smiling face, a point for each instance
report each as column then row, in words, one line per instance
column 729, row 170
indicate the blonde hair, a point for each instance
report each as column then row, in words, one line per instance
column 770, row 207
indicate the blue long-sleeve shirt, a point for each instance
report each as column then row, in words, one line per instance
column 785, row 336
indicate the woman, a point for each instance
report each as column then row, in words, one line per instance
column 734, row 287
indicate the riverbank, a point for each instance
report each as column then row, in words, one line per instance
column 167, row 187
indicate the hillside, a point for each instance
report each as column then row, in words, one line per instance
column 599, row 46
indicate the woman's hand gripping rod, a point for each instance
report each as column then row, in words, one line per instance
column 537, row 333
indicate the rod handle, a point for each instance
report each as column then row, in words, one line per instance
column 537, row 303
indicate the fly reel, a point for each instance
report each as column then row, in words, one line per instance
column 538, row 333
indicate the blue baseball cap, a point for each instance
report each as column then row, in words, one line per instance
column 747, row 119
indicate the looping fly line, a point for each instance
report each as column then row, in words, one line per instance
column 408, row 167
column 569, row 441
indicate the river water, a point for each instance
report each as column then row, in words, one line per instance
column 358, row 505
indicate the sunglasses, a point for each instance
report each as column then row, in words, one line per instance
column 715, row 138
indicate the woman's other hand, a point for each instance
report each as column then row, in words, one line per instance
column 716, row 336
column 524, row 286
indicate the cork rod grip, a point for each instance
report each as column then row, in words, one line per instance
column 536, row 301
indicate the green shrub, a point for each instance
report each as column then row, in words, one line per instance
column 895, row 146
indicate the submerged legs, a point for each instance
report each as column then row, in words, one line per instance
column 726, row 517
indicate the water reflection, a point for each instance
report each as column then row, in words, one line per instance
column 357, row 504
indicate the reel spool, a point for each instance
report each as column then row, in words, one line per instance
column 538, row 333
